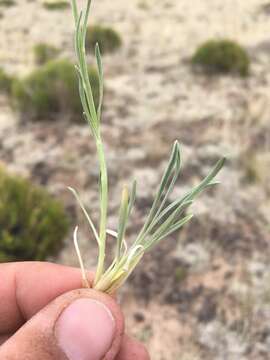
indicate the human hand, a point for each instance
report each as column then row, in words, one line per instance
column 44, row 315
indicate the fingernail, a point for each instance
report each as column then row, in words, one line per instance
column 85, row 330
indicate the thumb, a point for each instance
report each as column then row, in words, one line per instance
column 79, row 325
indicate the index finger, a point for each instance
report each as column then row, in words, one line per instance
column 26, row 287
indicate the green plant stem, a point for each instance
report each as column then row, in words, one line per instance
column 92, row 114
column 103, row 209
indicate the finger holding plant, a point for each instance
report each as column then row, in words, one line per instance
column 164, row 217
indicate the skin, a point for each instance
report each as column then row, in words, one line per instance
column 39, row 292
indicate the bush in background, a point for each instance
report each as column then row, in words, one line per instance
column 51, row 90
column 5, row 82
column 56, row 4
column 7, row 3
column 107, row 38
column 32, row 223
column 222, row 56
column 44, row 53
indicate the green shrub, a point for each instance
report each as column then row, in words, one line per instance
column 7, row 3
column 108, row 39
column 51, row 90
column 56, row 5
column 44, row 53
column 222, row 56
column 32, row 223
column 5, row 82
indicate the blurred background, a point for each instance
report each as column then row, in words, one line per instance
column 194, row 71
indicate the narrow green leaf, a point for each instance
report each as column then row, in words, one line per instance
column 85, row 105
column 175, row 227
column 173, row 167
column 82, row 64
column 172, row 183
column 163, row 227
column 86, row 16
column 100, row 77
column 74, row 9
column 132, row 196
column 123, row 217
column 187, row 199
column 177, row 204
column 207, row 180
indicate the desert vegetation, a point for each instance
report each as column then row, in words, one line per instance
column 44, row 53
column 33, row 224
column 5, row 82
column 7, row 3
column 222, row 56
column 107, row 38
column 51, row 90
column 56, row 4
